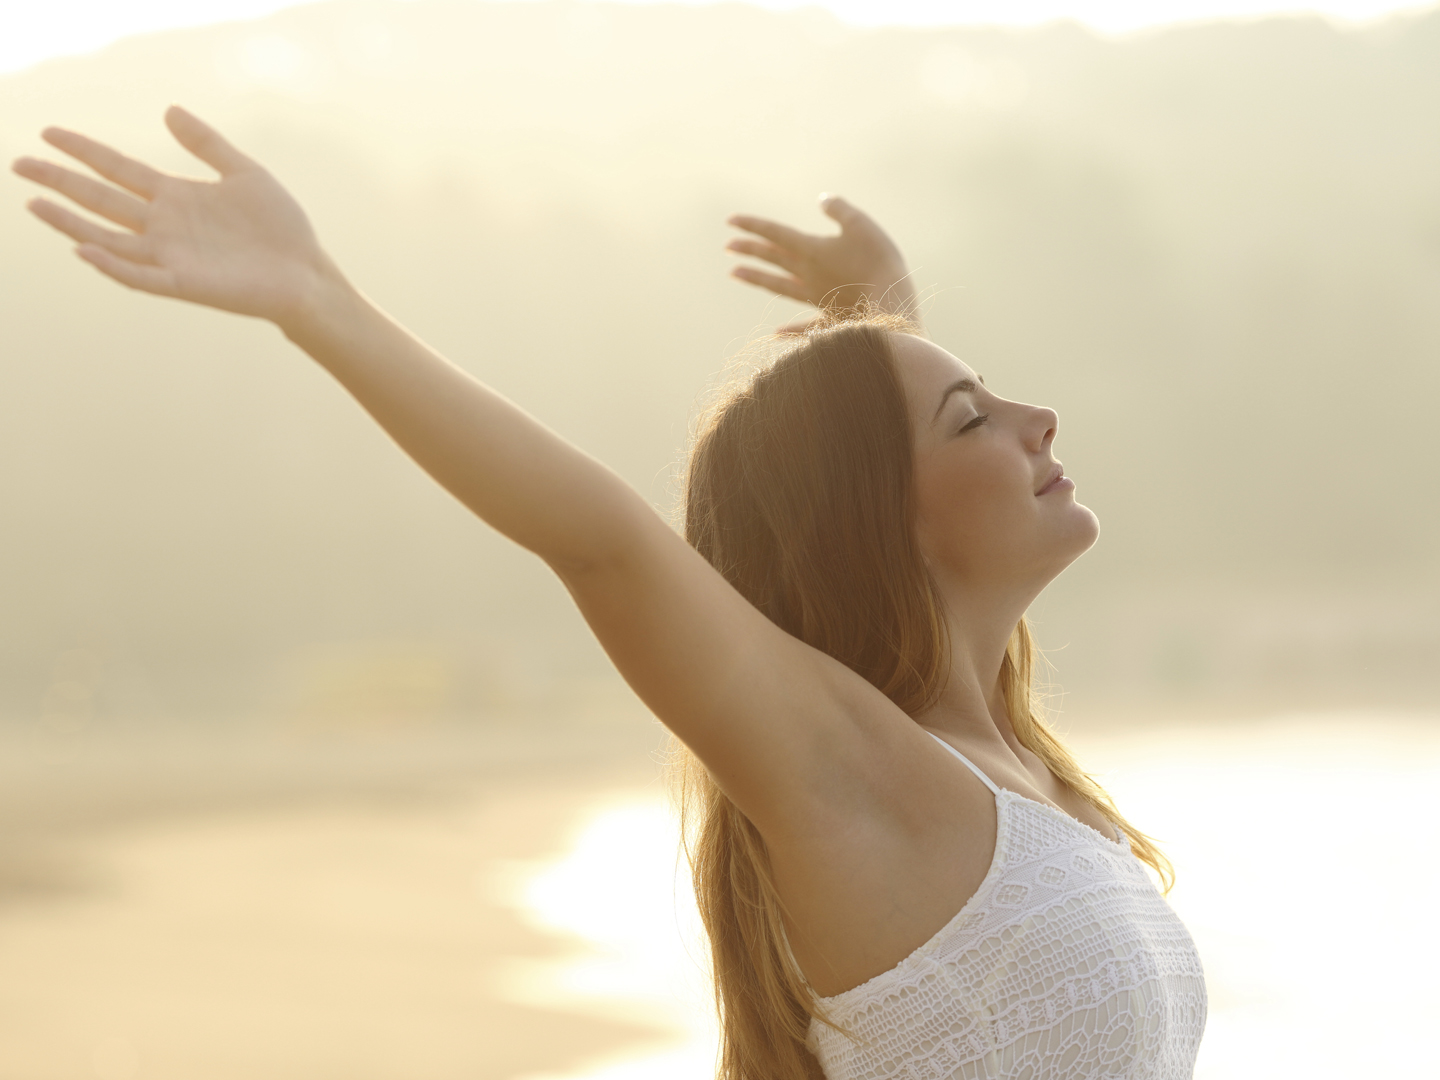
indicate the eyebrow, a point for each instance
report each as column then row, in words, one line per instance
column 960, row 386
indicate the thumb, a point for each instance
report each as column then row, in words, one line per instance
column 841, row 211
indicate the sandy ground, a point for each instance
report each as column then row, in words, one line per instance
column 260, row 905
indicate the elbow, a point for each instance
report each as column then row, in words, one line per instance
column 618, row 548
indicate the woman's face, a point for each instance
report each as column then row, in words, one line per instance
column 995, row 511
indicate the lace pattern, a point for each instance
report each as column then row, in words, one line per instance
column 1066, row 964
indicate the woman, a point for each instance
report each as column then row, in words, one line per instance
column 902, row 871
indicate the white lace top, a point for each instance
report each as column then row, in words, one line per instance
column 1066, row 964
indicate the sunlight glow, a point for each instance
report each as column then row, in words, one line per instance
column 70, row 27
column 1305, row 858
column 623, row 895
column 40, row 32
column 1106, row 16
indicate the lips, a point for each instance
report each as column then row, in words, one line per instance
column 1055, row 475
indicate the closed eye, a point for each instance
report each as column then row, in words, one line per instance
column 982, row 418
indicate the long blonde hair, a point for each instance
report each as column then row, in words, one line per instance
column 798, row 491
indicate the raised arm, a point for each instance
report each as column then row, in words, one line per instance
column 834, row 273
column 241, row 243
column 708, row 663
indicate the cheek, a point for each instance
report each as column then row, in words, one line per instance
column 974, row 508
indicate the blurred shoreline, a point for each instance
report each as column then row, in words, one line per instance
column 297, row 905
column 167, row 894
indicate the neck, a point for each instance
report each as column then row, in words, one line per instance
column 972, row 705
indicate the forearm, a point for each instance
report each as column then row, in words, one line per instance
column 507, row 467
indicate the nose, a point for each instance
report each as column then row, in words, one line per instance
column 1041, row 427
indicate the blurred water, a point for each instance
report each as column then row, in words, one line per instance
column 623, row 896
column 1306, row 849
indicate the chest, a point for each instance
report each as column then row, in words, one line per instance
column 1066, row 962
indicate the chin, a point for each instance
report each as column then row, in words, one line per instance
column 1083, row 529
column 1090, row 525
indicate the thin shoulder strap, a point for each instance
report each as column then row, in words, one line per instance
column 968, row 763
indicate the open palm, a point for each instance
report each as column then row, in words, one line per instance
column 834, row 273
column 240, row 243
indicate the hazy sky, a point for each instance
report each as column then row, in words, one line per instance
column 39, row 31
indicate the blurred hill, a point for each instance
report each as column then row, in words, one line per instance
column 1215, row 250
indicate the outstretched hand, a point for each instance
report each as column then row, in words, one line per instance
column 240, row 243
column 834, row 273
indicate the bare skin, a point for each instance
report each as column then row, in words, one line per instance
column 878, row 836
column 841, row 272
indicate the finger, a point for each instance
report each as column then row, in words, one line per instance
column 786, row 237
column 785, row 286
column 111, row 164
column 105, row 200
column 151, row 279
column 82, row 230
column 842, row 212
column 771, row 253
column 205, row 142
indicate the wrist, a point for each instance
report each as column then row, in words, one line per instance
column 323, row 304
column 892, row 293
column 899, row 297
